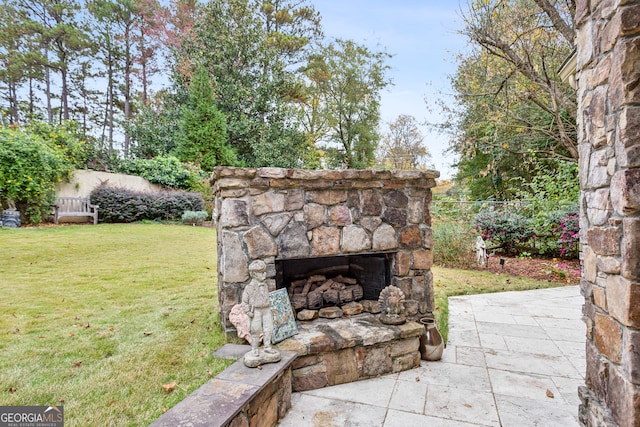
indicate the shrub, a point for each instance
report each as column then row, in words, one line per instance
column 194, row 217
column 123, row 205
column 32, row 161
column 453, row 244
column 166, row 171
column 504, row 228
column 171, row 204
column 569, row 235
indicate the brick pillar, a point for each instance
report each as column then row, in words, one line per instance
column 608, row 49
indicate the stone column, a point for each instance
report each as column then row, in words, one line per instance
column 608, row 49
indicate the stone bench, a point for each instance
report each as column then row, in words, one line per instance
column 343, row 350
column 238, row 396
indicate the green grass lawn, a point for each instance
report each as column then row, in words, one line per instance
column 98, row 318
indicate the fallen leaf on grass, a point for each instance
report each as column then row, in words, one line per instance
column 41, row 336
column 39, row 316
column 169, row 387
column 209, row 373
column 164, row 410
column 550, row 394
column 111, row 328
column 71, row 334
column 76, row 364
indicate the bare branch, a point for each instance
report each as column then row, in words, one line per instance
column 567, row 31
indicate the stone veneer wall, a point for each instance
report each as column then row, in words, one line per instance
column 273, row 213
column 608, row 49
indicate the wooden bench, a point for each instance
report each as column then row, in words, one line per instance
column 74, row 206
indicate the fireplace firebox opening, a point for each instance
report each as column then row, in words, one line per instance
column 366, row 274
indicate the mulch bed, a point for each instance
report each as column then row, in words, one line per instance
column 552, row 270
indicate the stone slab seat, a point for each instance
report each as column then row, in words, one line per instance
column 238, row 396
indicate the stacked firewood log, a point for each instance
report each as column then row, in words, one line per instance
column 318, row 291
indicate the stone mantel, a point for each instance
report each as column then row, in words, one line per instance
column 228, row 178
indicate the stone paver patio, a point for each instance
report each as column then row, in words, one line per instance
column 513, row 359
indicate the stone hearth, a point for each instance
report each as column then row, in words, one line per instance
column 277, row 214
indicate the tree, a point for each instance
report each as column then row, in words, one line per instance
column 59, row 33
column 248, row 51
column 203, row 127
column 513, row 116
column 402, row 146
column 355, row 76
column 533, row 42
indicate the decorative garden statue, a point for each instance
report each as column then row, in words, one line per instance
column 255, row 302
column 481, row 252
column 392, row 302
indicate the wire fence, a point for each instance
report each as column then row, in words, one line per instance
column 466, row 209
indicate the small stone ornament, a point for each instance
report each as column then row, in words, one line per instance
column 392, row 301
column 256, row 303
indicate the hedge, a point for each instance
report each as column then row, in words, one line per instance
column 124, row 205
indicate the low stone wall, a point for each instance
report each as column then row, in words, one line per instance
column 238, row 396
column 339, row 351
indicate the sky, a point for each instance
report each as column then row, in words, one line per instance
column 422, row 36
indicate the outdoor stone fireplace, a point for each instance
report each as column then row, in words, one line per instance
column 372, row 226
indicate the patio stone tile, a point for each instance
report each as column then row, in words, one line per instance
column 449, row 375
column 477, row 407
column 449, row 354
column 565, row 334
column 472, row 356
column 523, row 412
column 374, row 392
column 531, row 363
column 549, row 323
column 516, row 384
column 466, row 337
column 532, row 346
column 314, row 410
column 568, row 388
column 493, row 341
column 405, row 419
column 581, row 365
column 572, row 349
column 494, row 317
column 512, row 330
column 409, row 396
